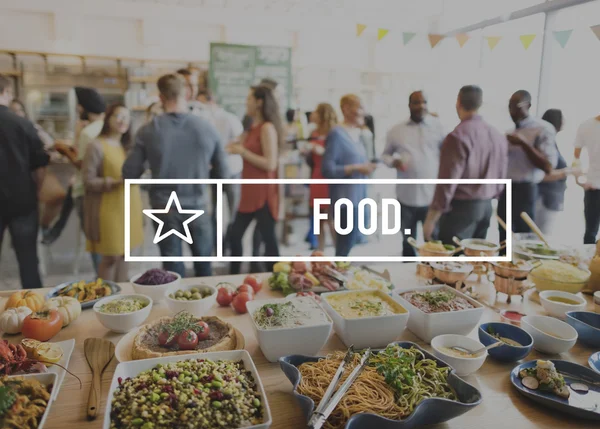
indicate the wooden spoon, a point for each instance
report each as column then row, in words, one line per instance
column 98, row 353
column 531, row 224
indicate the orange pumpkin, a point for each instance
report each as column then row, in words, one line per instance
column 26, row 298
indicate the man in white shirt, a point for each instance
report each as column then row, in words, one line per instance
column 230, row 128
column 588, row 136
column 413, row 149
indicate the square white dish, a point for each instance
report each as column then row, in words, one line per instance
column 377, row 331
column 46, row 379
column 426, row 326
column 298, row 340
column 133, row 368
column 67, row 347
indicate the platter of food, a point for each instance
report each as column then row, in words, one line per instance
column 535, row 249
column 87, row 293
column 178, row 335
column 560, row 385
column 219, row 389
column 402, row 386
column 26, row 400
column 320, row 277
column 439, row 309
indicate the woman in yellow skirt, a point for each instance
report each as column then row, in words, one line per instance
column 104, row 201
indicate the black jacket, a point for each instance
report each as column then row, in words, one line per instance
column 21, row 152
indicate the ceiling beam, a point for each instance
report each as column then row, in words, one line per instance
column 548, row 6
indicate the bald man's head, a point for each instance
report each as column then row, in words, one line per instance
column 417, row 103
column 519, row 105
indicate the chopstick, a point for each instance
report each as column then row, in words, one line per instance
column 328, row 402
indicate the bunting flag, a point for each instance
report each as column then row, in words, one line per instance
column 381, row 33
column 462, row 38
column 434, row 39
column 562, row 37
column 407, row 37
column 492, row 41
column 596, row 30
column 359, row 29
column 526, row 40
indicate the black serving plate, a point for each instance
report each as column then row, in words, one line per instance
column 429, row 411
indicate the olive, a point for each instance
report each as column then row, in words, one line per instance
column 196, row 295
column 194, row 290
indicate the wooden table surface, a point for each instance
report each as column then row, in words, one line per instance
column 502, row 406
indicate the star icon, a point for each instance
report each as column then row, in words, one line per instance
column 159, row 235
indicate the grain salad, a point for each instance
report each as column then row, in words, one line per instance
column 188, row 394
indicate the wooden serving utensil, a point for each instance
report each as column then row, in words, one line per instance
column 98, row 353
column 531, row 224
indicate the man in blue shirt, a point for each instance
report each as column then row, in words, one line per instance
column 531, row 155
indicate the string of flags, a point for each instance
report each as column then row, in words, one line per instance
column 562, row 37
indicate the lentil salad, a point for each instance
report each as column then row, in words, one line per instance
column 188, row 394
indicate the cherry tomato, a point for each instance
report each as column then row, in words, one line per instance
column 187, row 340
column 245, row 288
column 42, row 325
column 254, row 282
column 202, row 331
column 164, row 336
column 240, row 300
column 224, row 296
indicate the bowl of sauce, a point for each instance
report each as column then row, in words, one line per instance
column 557, row 303
column 517, row 343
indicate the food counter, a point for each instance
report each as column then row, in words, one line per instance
column 502, row 405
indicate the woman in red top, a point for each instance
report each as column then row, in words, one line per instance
column 325, row 118
column 260, row 151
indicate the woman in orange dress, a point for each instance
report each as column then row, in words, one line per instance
column 325, row 119
column 260, row 152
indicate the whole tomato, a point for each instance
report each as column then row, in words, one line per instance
column 254, row 282
column 163, row 339
column 203, row 331
column 245, row 288
column 240, row 300
column 187, row 340
column 224, row 296
column 42, row 325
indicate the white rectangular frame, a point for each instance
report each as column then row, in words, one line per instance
column 220, row 182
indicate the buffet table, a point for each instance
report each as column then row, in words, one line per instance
column 502, row 406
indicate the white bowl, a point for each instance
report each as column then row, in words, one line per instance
column 462, row 365
column 540, row 328
column 156, row 292
column 198, row 307
column 124, row 322
column 426, row 326
column 377, row 331
column 558, row 309
column 299, row 340
column 133, row 368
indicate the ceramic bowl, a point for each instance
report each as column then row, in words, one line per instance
column 550, row 335
column 587, row 325
column 123, row 322
column 558, row 309
column 156, row 292
column 198, row 307
column 462, row 365
column 506, row 352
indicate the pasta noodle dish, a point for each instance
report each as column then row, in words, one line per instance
column 23, row 402
column 392, row 384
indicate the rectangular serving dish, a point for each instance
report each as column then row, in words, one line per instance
column 133, row 368
column 48, row 378
column 427, row 326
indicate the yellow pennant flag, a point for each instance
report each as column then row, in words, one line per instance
column 492, row 41
column 381, row 33
column 434, row 39
column 526, row 40
column 462, row 38
column 359, row 29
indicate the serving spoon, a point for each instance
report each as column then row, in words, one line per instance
column 478, row 351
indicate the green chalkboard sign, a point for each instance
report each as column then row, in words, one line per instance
column 234, row 68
